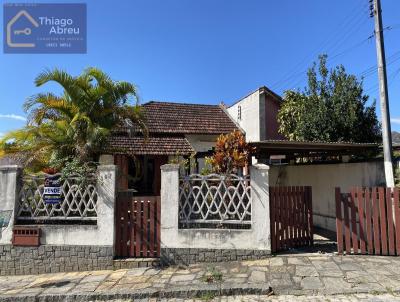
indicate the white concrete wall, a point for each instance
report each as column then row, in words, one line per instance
column 251, row 115
column 102, row 234
column 324, row 179
column 256, row 238
column 8, row 195
column 202, row 143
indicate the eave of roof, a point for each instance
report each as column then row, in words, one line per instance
column 293, row 147
column 261, row 89
column 149, row 146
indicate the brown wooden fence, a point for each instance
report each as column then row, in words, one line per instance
column 291, row 217
column 367, row 221
column 137, row 226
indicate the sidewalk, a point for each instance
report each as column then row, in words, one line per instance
column 286, row 275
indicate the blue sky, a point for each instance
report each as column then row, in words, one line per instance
column 214, row 50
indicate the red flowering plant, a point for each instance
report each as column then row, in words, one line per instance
column 232, row 153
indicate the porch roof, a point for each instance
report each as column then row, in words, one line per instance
column 283, row 147
column 151, row 146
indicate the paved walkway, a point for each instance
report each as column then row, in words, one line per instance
column 286, row 275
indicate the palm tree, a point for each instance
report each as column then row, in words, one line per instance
column 78, row 122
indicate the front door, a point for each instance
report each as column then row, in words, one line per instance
column 141, row 174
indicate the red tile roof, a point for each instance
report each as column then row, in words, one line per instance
column 167, row 124
column 153, row 145
column 163, row 117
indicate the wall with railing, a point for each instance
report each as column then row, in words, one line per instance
column 77, row 200
column 84, row 214
column 214, row 200
column 207, row 218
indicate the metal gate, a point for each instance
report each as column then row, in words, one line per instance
column 291, row 217
column 137, row 226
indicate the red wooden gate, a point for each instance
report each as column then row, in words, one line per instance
column 367, row 221
column 291, row 217
column 137, row 226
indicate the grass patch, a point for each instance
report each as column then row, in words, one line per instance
column 212, row 275
column 207, row 296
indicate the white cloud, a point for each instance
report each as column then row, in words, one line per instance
column 395, row 120
column 13, row 116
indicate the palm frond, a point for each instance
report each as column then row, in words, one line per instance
column 64, row 79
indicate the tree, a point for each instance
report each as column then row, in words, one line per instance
column 231, row 153
column 332, row 108
column 77, row 123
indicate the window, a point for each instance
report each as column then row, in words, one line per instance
column 239, row 113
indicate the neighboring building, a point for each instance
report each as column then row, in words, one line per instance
column 257, row 113
column 175, row 130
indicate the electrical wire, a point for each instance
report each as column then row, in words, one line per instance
column 352, row 21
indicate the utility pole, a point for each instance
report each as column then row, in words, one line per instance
column 383, row 94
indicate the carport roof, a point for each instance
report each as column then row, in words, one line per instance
column 283, row 147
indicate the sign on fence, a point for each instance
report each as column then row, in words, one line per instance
column 52, row 190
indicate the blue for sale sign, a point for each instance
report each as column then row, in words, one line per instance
column 52, row 190
column 44, row 28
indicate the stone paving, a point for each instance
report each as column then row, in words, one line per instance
column 286, row 275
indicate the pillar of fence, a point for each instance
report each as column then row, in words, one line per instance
column 259, row 181
column 213, row 243
column 9, row 176
column 106, row 187
column 169, row 204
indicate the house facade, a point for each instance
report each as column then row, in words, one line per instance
column 179, row 131
column 176, row 131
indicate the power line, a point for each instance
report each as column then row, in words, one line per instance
column 374, row 88
column 366, row 73
column 351, row 21
column 371, row 70
column 331, row 59
column 334, row 47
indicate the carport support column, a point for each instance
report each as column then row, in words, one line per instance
column 9, row 190
column 169, row 204
column 260, row 213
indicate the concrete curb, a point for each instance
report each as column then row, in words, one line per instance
column 178, row 292
column 183, row 292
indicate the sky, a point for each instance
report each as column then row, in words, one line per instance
column 213, row 51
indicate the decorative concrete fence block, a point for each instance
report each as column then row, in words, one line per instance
column 214, row 200
column 181, row 244
column 64, row 247
column 77, row 202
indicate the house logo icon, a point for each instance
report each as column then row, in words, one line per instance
column 25, row 31
column 44, row 28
